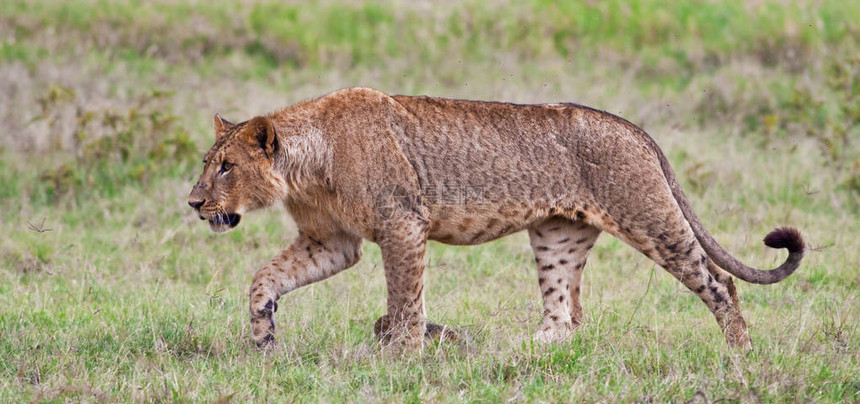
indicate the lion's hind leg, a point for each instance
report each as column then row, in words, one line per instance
column 691, row 268
column 670, row 242
column 726, row 279
column 561, row 247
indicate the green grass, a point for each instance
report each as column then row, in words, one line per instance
column 126, row 296
column 686, row 37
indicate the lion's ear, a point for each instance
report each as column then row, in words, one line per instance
column 262, row 133
column 221, row 125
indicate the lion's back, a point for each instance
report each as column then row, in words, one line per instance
column 513, row 150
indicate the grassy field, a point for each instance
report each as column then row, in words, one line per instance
column 112, row 290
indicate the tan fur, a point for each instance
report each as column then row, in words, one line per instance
column 398, row 171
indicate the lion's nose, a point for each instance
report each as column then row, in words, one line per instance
column 196, row 204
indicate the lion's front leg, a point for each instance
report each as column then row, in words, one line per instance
column 305, row 261
column 403, row 245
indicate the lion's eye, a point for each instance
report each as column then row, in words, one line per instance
column 225, row 167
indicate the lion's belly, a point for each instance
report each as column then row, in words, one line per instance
column 476, row 224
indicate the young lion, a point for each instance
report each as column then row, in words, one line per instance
column 398, row 171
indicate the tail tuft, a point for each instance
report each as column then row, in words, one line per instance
column 785, row 237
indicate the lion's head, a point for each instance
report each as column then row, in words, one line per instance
column 239, row 173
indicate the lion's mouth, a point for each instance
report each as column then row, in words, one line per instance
column 225, row 219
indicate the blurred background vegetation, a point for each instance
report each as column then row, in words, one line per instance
column 106, row 111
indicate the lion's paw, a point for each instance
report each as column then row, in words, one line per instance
column 553, row 335
column 263, row 325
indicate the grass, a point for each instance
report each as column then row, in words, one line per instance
column 122, row 295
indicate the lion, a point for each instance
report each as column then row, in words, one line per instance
column 358, row 164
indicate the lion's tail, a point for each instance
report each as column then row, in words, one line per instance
column 783, row 237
